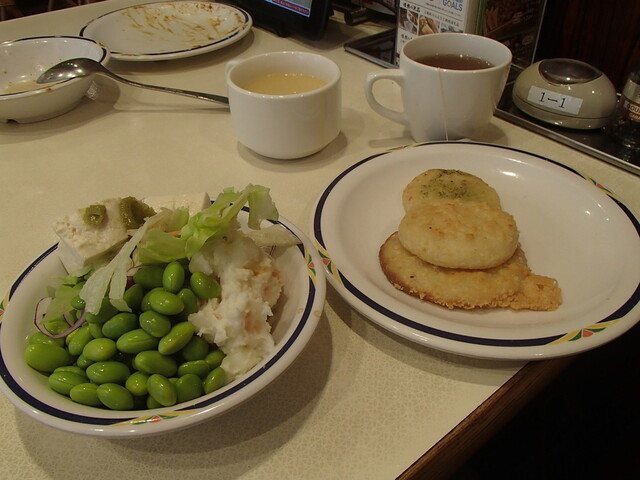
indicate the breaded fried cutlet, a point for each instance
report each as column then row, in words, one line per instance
column 510, row 284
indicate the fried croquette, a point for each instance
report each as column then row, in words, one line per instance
column 510, row 284
column 446, row 184
column 456, row 247
column 459, row 234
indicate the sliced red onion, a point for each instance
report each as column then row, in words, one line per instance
column 130, row 273
column 38, row 318
column 132, row 270
column 68, row 318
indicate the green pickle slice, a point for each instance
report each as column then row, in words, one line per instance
column 133, row 212
column 94, row 215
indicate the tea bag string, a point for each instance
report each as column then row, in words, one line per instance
column 443, row 105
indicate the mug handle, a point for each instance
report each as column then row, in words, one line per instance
column 394, row 75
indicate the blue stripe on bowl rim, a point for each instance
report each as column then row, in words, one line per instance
column 33, row 402
column 624, row 309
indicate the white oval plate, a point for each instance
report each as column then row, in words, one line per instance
column 570, row 229
column 168, row 30
column 293, row 323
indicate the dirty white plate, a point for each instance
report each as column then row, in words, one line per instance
column 571, row 229
column 168, row 30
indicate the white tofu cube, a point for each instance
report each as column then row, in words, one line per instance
column 82, row 244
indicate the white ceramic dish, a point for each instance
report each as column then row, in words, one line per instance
column 294, row 321
column 570, row 229
column 24, row 60
column 168, row 30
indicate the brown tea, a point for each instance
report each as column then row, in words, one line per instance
column 454, row 61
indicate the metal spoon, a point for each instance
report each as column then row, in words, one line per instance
column 82, row 67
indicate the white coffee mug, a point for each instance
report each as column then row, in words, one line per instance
column 444, row 103
column 285, row 126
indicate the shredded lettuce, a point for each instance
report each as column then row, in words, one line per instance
column 161, row 245
column 61, row 302
column 178, row 219
column 215, row 221
column 261, row 207
column 158, row 246
column 113, row 275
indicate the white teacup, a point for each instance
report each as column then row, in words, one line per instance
column 445, row 103
column 280, row 123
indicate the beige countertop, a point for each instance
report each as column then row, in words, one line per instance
column 359, row 403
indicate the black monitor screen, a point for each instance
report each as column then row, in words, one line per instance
column 303, row 7
column 307, row 18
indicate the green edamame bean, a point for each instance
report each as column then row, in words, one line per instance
column 115, row 396
column 140, row 402
column 196, row 349
column 46, row 358
column 214, row 358
column 173, row 277
column 215, row 380
column 165, row 302
column 107, row 310
column 96, row 330
column 39, row 337
column 178, row 337
column 108, row 372
column 126, row 358
column 154, row 323
column 70, row 336
column 99, row 349
column 152, row 361
column 56, row 326
column 144, row 304
column 149, row 276
column 86, row 394
column 81, row 336
column 137, row 383
column 189, row 300
column 83, row 362
column 152, row 403
column 77, row 302
column 133, row 296
column 62, row 382
column 204, row 286
column 72, row 369
column 136, row 341
column 195, row 367
column 119, row 324
column 188, row 387
column 162, row 390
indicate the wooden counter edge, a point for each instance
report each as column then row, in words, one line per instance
column 453, row 450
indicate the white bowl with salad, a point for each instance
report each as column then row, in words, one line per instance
column 192, row 311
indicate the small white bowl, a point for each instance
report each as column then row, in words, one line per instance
column 294, row 321
column 24, row 60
